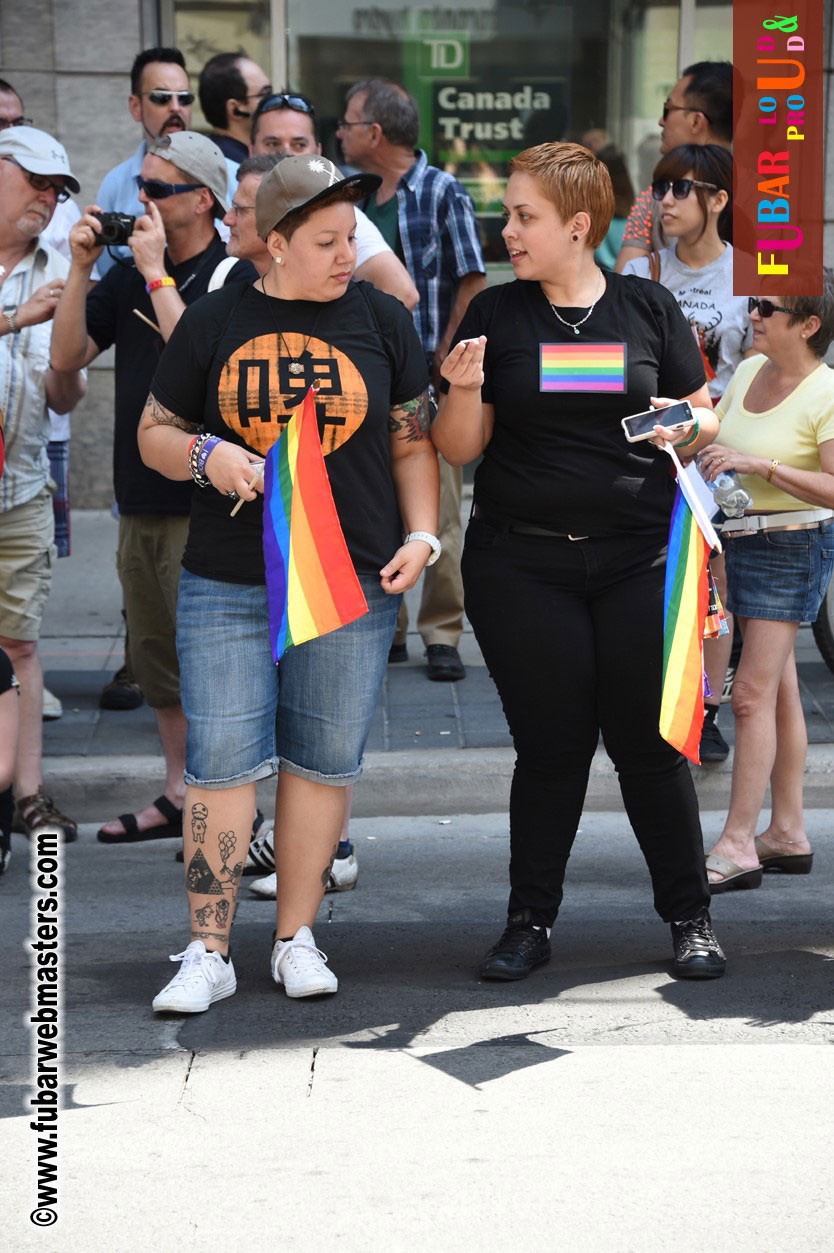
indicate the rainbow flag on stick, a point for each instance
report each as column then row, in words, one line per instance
column 685, row 604
column 311, row 584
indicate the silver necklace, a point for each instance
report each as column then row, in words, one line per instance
column 574, row 326
column 295, row 366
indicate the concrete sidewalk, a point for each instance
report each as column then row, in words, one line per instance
column 597, row 1107
column 434, row 747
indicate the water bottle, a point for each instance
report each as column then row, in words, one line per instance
column 728, row 493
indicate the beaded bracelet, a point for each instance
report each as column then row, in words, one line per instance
column 156, row 283
column 696, row 431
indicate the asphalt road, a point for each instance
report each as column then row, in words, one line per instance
column 599, row 1105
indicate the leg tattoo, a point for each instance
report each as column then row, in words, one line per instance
column 199, row 814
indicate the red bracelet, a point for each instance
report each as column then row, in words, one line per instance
column 156, row 283
column 191, row 448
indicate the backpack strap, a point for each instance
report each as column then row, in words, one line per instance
column 221, row 272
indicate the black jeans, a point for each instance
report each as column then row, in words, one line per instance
column 571, row 632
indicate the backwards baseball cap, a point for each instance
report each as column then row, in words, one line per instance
column 37, row 152
column 199, row 158
column 300, row 181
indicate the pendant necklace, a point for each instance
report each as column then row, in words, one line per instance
column 574, row 326
column 295, row 366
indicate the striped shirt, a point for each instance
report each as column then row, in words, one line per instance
column 440, row 243
column 24, row 363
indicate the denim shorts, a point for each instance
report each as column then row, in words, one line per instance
column 247, row 718
column 781, row 576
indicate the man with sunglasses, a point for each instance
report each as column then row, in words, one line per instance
column 284, row 125
column 175, row 250
column 230, row 89
column 698, row 110
column 34, row 176
column 160, row 101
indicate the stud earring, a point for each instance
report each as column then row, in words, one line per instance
column 574, row 238
column 279, row 260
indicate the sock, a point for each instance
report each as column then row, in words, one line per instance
column 709, row 712
column 344, row 849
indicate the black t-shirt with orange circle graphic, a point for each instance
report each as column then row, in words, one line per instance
column 226, row 369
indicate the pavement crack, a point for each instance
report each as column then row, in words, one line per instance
column 187, row 1077
column 312, row 1072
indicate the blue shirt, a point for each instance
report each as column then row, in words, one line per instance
column 440, row 243
column 119, row 193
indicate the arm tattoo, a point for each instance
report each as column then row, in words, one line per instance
column 411, row 421
column 160, row 416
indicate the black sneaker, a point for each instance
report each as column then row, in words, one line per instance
column 397, row 653
column 713, row 745
column 121, row 692
column 698, row 954
column 521, row 948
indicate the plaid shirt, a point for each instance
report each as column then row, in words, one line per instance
column 440, row 243
column 24, row 363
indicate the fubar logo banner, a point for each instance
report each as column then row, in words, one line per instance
column 778, row 149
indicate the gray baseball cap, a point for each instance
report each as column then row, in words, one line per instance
column 37, row 152
column 199, row 158
column 302, row 180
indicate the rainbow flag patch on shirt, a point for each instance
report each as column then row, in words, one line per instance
column 582, row 368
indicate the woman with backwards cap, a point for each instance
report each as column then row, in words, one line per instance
column 237, row 365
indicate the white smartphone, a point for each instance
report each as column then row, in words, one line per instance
column 641, row 426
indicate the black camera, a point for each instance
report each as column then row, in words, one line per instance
column 116, row 228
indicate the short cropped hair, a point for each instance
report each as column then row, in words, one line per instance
column 171, row 55
column 392, row 108
column 7, row 90
column 709, row 163
column 574, row 180
column 710, row 91
column 821, row 307
column 260, row 165
column 220, row 80
column 275, row 103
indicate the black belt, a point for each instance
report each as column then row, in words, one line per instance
column 519, row 528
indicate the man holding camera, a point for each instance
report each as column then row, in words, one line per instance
column 34, row 176
column 175, row 251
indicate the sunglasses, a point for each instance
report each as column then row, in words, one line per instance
column 15, row 121
column 284, row 101
column 767, row 308
column 155, row 190
column 682, row 108
column 184, row 98
column 681, row 187
column 41, row 183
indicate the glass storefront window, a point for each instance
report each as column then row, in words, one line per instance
column 202, row 28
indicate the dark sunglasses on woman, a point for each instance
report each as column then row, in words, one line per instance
column 681, row 187
column 184, row 98
column 155, row 190
column 767, row 308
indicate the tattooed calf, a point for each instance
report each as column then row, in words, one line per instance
column 199, row 814
column 203, row 915
column 221, row 913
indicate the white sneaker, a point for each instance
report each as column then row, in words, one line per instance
column 203, row 978
column 52, row 707
column 342, row 878
column 260, row 858
column 300, row 966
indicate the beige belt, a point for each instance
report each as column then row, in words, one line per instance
column 797, row 520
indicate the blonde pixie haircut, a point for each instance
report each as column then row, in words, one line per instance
column 574, row 180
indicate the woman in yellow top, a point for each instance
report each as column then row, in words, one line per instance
column 777, row 431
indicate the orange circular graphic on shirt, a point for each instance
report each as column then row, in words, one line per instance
column 257, row 392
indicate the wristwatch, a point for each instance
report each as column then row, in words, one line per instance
column 432, row 541
column 9, row 312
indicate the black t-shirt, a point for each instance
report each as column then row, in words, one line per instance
column 111, row 320
column 226, row 369
column 559, row 459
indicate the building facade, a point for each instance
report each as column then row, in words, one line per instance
column 491, row 77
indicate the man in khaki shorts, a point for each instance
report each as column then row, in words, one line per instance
column 34, row 176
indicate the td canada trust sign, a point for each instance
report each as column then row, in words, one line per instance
column 487, row 117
